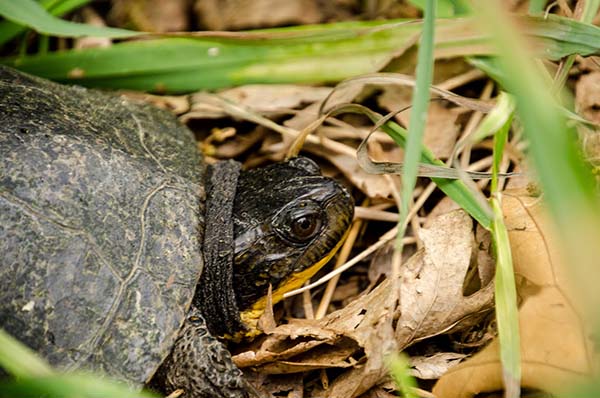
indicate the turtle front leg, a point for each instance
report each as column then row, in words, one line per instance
column 201, row 365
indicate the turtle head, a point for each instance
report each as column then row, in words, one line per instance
column 289, row 220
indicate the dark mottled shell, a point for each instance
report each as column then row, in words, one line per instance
column 101, row 209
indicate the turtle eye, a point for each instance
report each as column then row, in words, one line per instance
column 305, row 226
column 299, row 222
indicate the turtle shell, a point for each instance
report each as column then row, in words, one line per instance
column 101, row 216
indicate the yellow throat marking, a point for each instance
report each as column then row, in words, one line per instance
column 251, row 315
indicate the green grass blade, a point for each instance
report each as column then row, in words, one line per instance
column 590, row 9
column 559, row 37
column 553, row 144
column 490, row 66
column 400, row 372
column 9, row 30
column 418, row 115
column 19, row 360
column 312, row 54
column 507, row 313
column 185, row 64
column 69, row 386
column 444, row 8
column 32, row 14
column 496, row 119
column 33, row 377
column 472, row 202
column 457, row 190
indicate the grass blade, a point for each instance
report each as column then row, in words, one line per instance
column 19, row 360
column 590, row 9
column 33, row 377
column 418, row 115
column 400, row 372
column 69, row 386
column 323, row 53
column 507, row 313
column 9, row 30
column 32, row 14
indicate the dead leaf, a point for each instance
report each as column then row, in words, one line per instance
column 240, row 143
column 434, row 366
column 356, row 381
column 555, row 349
column 312, row 112
column 431, row 293
column 276, row 386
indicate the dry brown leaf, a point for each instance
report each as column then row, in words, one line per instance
column 380, row 392
column 431, row 293
column 434, row 366
column 555, row 350
column 278, row 386
column 240, row 143
column 311, row 113
column 445, row 205
column 486, row 265
column 379, row 344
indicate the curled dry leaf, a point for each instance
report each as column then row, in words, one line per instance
column 361, row 334
column 555, row 349
column 431, row 293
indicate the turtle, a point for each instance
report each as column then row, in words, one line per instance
column 124, row 252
